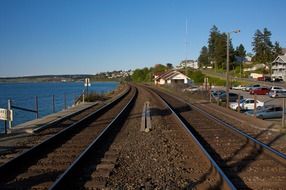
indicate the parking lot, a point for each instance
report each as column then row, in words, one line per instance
column 263, row 98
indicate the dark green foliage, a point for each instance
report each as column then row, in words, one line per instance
column 240, row 51
column 169, row 66
column 146, row 74
column 277, row 50
column 141, row 75
column 214, row 32
column 204, row 57
column 262, row 46
column 217, row 46
column 220, row 51
column 159, row 68
column 196, row 75
column 216, row 81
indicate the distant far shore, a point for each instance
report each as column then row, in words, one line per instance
column 52, row 78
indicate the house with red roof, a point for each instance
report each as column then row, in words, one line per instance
column 171, row 77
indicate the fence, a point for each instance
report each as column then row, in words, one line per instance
column 23, row 108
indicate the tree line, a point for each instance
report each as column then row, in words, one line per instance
column 146, row 74
column 214, row 54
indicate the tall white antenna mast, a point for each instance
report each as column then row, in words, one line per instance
column 186, row 58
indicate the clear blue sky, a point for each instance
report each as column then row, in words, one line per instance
column 85, row 37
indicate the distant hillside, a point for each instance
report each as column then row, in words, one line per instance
column 46, row 78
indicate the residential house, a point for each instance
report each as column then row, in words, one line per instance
column 279, row 68
column 171, row 77
column 188, row 63
column 284, row 51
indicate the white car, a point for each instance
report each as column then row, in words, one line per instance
column 239, row 87
column 277, row 93
column 246, row 104
column 191, row 89
column 276, row 88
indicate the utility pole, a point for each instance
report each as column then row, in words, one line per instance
column 227, row 66
column 227, row 70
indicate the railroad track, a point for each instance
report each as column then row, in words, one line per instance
column 43, row 133
column 92, row 169
column 41, row 166
column 244, row 161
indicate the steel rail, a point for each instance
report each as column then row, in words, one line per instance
column 228, row 182
column 41, row 128
column 232, row 128
column 276, row 155
column 61, row 119
column 52, row 142
column 268, row 148
column 66, row 177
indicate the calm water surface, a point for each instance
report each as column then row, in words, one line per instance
column 23, row 95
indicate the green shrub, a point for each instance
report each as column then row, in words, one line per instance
column 196, row 76
column 217, row 81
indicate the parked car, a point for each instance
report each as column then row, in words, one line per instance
column 191, row 89
column 250, row 87
column 277, row 80
column 232, row 97
column 260, row 91
column 239, row 87
column 246, row 104
column 281, row 93
column 267, row 112
column 276, row 88
column 217, row 93
column 264, row 78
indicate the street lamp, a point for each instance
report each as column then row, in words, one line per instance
column 227, row 66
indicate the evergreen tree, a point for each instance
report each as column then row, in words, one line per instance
column 204, row 57
column 277, row 50
column 159, row 68
column 214, row 33
column 240, row 51
column 169, row 66
column 262, row 46
column 217, row 46
column 220, row 50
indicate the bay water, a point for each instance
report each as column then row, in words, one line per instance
column 23, row 95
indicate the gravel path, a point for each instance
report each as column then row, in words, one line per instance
column 164, row 158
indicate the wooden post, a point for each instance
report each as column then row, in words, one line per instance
column 238, row 104
column 37, row 107
column 74, row 98
column 65, row 101
column 283, row 114
column 254, row 111
column 5, row 126
column 54, row 108
column 10, row 109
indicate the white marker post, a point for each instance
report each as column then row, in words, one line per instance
column 6, row 115
column 87, row 84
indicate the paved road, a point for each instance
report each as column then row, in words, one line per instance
column 245, row 80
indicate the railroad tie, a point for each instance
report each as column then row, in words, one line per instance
column 102, row 171
column 146, row 118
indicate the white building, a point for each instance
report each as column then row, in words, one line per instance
column 188, row 63
column 279, row 67
column 171, row 77
column 256, row 67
